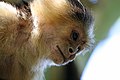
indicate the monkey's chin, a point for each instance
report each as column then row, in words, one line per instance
column 59, row 59
column 61, row 64
column 65, row 60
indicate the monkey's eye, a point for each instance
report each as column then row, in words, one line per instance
column 74, row 35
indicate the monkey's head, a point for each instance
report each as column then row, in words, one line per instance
column 66, row 29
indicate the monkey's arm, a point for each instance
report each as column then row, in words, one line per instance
column 8, row 23
column 10, row 65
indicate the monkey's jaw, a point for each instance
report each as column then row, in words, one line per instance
column 66, row 60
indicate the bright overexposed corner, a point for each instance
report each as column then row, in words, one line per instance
column 104, row 63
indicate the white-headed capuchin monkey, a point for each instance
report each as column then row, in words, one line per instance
column 47, row 32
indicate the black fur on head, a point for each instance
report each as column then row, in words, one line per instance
column 79, row 12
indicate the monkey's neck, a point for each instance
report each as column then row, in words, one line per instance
column 39, row 69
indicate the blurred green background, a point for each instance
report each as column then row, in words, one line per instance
column 105, row 12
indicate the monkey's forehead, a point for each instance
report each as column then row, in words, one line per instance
column 61, row 11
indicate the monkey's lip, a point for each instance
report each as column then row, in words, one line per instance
column 65, row 59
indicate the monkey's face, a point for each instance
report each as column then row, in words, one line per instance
column 64, row 41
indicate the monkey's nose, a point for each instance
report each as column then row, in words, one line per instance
column 73, row 51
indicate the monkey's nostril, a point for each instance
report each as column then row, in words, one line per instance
column 71, row 50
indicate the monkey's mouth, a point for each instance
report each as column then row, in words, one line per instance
column 65, row 59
